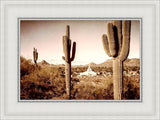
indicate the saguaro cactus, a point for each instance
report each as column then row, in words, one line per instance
column 68, row 59
column 35, row 56
column 117, row 45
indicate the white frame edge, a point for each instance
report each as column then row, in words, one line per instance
column 157, row 112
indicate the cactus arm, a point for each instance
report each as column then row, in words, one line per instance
column 118, row 30
column 111, row 39
column 73, row 51
column 105, row 44
column 126, row 40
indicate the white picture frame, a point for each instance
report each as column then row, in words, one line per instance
column 147, row 108
column 81, row 19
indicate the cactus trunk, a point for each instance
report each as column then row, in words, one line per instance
column 35, row 56
column 68, row 59
column 68, row 78
column 117, row 79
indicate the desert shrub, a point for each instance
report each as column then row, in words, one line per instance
column 48, row 82
column 106, row 69
column 131, row 88
column 92, row 89
column 131, row 68
column 42, row 82
column 26, row 66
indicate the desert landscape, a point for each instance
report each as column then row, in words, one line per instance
column 47, row 81
column 92, row 64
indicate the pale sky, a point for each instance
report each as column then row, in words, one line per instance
column 46, row 36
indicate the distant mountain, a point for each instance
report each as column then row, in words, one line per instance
column 132, row 62
column 91, row 64
column 107, row 63
column 127, row 62
column 43, row 62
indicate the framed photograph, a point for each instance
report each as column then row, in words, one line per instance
column 44, row 75
column 79, row 60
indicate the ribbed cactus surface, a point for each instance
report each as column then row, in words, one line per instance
column 68, row 59
column 116, row 44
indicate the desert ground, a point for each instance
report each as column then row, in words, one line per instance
column 47, row 81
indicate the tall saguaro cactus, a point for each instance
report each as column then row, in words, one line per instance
column 117, row 45
column 35, row 56
column 68, row 59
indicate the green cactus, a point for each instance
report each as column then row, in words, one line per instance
column 117, row 45
column 35, row 56
column 68, row 59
